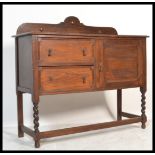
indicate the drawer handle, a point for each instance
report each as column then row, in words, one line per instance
column 49, row 52
column 84, row 80
column 84, row 52
column 50, row 79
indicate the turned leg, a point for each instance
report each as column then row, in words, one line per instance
column 119, row 104
column 143, row 116
column 36, row 125
column 20, row 113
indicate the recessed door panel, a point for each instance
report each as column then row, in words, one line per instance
column 122, row 62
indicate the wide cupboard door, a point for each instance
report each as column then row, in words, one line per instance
column 122, row 62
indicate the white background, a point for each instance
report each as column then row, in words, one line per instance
column 74, row 109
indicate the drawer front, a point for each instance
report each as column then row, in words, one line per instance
column 61, row 79
column 65, row 51
column 122, row 62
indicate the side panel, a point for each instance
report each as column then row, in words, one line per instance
column 25, row 72
column 123, row 62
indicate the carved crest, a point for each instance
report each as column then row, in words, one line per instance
column 72, row 21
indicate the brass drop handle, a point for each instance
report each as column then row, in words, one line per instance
column 41, row 29
column 84, row 80
column 49, row 52
column 100, row 67
column 50, row 79
column 84, row 52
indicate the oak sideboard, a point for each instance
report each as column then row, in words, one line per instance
column 71, row 57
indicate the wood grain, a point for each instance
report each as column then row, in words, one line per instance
column 121, row 62
column 25, row 62
column 67, row 131
column 71, row 57
column 69, row 25
column 65, row 79
column 66, row 51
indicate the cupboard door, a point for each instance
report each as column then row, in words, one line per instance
column 122, row 62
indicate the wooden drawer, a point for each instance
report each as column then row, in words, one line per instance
column 66, row 51
column 60, row 79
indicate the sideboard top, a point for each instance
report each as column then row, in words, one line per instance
column 70, row 25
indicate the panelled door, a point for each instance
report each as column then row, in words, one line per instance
column 122, row 62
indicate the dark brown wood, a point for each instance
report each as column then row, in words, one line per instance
column 18, row 93
column 72, row 50
column 144, row 68
column 70, row 57
column 78, row 35
column 28, row 131
column 24, row 90
column 70, row 25
column 122, row 62
column 16, row 64
column 25, row 62
column 85, row 128
column 20, row 113
column 99, row 68
column 119, row 104
column 36, row 125
column 125, row 114
column 35, row 57
column 66, row 78
column 143, row 102
column 59, row 64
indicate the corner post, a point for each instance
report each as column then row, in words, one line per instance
column 35, row 92
column 36, row 124
column 143, row 107
column 119, row 104
column 20, row 113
